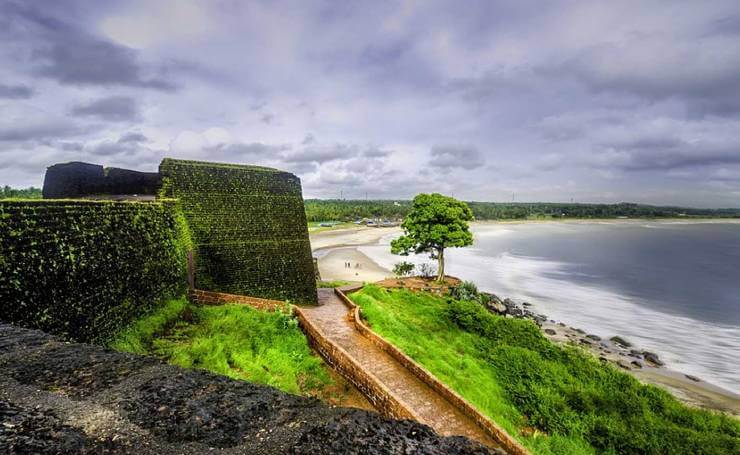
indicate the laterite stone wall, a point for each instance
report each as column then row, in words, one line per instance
column 249, row 227
column 85, row 269
column 77, row 179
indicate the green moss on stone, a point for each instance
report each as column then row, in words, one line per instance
column 248, row 225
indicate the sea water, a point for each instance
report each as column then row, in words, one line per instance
column 668, row 287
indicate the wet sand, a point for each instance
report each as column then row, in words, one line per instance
column 337, row 246
column 362, row 268
column 334, row 248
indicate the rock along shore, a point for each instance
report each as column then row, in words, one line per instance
column 645, row 365
column 59, row 397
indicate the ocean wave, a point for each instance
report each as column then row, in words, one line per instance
column 710, row 351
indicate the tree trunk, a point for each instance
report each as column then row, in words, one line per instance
column 440, row 264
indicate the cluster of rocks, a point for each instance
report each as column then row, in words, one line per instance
column 509, row 308
column 616, row 349
column 58, row 397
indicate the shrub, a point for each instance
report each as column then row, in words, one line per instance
column 467, row 290
column 403, row 268
column 427, row 270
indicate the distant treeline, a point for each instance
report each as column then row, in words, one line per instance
column 347, row 210
column 26, row 193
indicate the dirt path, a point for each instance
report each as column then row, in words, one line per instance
column 331, row 317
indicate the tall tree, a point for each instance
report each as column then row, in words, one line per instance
column 434, row 223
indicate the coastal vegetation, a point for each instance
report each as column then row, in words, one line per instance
column 556, row 400
column 233, row 340
column 31, row 192
column 349, row 210
column 435, row 222
column 320, row 226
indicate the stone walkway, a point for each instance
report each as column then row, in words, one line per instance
column 331, row 317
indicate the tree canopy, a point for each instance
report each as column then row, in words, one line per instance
column 435, row 222
column 350, row 210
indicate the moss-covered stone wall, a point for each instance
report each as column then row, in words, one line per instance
column 85, row 269
column 249, row 227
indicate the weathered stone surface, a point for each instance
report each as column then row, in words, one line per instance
column 76, row 179
column 58, row 397
column 249, row 227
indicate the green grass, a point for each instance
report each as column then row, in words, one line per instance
column 232, row 340
column 332, row 284
column 555, row 400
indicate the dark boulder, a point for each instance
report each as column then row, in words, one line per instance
column 621, row 342
column 653, row 358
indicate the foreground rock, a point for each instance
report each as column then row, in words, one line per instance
column 58, row 397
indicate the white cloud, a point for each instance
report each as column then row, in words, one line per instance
column 158, row 23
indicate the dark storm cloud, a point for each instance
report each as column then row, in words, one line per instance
column 70, row 55
column 15, row 92
column 321, row 154
column 39, row 132
column 126, row 148
column 111, row 148
column 727, row 25
column 112, row 109
column 670, row 154
column 247, row 151
column 308, row 139
column 375, row 152
column 71, row 146
column 704, row 79
column 133, row 137
column 600, row 101
column 456, row 156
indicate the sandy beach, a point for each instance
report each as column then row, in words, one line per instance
column 335, row 247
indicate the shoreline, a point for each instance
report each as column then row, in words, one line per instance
column 614, row 221
column 336, row 246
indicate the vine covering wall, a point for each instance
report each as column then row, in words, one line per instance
column 84, row 269
column 249, row 227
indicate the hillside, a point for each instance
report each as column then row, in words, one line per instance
column 556, row 400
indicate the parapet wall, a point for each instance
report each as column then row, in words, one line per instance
column 249, row 228
column 77, row 179
column 500, row 435
column 373, row 389
column 85, row 269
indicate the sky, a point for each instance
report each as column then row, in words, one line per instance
column 586, row 101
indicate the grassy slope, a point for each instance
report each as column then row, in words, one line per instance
column 555, row 400
column 233, row 340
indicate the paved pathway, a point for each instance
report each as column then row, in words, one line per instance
column 332, row 318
